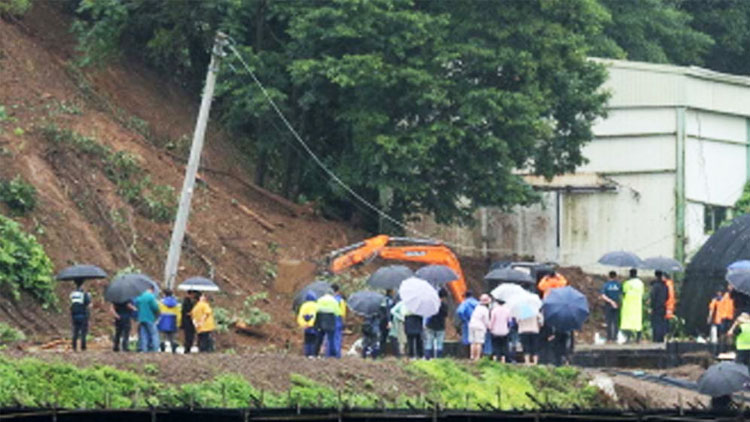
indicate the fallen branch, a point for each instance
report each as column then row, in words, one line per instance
column 260, row 220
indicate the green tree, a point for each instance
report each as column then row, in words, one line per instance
column 728, row 22
column 656, row 31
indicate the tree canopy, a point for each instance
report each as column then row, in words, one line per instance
column 420, row 107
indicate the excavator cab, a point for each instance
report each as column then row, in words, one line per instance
column 400, row 249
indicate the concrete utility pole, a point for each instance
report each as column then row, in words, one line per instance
column 180, row 223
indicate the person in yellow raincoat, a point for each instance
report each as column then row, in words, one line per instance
column 306, row 320
column 631, row 312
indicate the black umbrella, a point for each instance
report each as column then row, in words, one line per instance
column 365, row 302
column 437, row 275
column 389, row 277
column 126, row 287
column 740, row 280
column 508, row 275
column 318, row 288
column 660, row 263
column 81, row 272
column 199, row 284
column 621, row 259
column 565, row 309
column 723, row 378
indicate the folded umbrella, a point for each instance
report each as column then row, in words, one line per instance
column 506, row 290
column 437, row 275
column 199, row 284
column 621, row 259
column 126, row 287
column 81, row 272
column 723, row 378
column 318, row 288
column 565, row 309
column 660, row 263
column 365, row 302
column 389, row 277
column 508, row 275
column 740, row 280
column 419, row 297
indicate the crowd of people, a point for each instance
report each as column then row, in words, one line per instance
column 623, row 306
column 486, row 325
column 158, row 321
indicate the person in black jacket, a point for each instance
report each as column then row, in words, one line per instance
column 659, row 294
column 186, row 323
column 434, row 335
column 413, row 327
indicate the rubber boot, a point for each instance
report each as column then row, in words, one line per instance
column 428, row 354
column 439, row 354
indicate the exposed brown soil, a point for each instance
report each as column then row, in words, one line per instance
column 271, row 372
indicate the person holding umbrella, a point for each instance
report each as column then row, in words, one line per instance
column 478, row 326
column 658, row 297
column 499, row 328
column 463, row 316
column 306, row 320
column 203, row 320
column 186, row 321
column 611, row 295
column 148, row 310
column 631, row 314
column 80, row 305
column 123, row 313
column 385, row 324
column 413, row 327
column 435, row 329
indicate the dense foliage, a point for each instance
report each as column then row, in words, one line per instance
column 24, row 266
column 32, row 383
column 19, row 195
column 419, row 106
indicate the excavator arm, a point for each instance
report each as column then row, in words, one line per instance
column 409, row 249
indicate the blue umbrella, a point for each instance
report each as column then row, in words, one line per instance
column 740, row 280
column 565, row 309
column 437, row 275
column 743, row 265
column 621, row 259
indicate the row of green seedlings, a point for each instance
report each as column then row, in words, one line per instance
column 154, row 201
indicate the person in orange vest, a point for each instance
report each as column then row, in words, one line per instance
column 671, row 303
column 551, row 281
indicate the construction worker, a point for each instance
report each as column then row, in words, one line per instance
column 325, row 322
column 671, row 303
column 551, row 281
column 80, row 305
column 743, row 338
column 659, row 296
column 631, row 314
column 306, row 321
column 338, row 334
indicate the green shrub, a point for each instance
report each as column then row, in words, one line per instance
column 223, row 319
column 251, row 314
column 15, row 8
column 24, row 266
column 19, row 195
column 9, row 334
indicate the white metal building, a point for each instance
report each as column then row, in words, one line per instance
column 664, row 169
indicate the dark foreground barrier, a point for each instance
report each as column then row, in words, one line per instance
column 361, row 415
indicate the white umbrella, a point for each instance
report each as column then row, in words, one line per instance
column 419, row 297
column 524, row 305
column 200, row 284
column 506, row 290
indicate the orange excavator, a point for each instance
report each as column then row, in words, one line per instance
column 400, row 249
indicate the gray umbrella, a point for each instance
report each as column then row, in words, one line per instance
column 126, row 287
column 660, row 263
column 723, row 378
column 437, row 275
column 508, row 275
column 621, row 259
column 365, row 302
column 81, row 272
column 199, row 284
column 389, row 277
column 318, row 288
column 740, row 281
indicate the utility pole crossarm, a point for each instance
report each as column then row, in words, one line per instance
column 191, row 170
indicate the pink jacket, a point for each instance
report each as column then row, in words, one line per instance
column 499, row 318
column 480, row 318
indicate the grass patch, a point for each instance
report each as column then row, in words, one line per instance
column 154, row 201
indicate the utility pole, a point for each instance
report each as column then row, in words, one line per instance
column 180, row 223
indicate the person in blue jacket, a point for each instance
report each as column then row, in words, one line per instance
column 463, row 314
column 339, row 332
column 170, row 313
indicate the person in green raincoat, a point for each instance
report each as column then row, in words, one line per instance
column 631, row 312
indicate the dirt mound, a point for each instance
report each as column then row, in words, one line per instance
column 238, row 233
